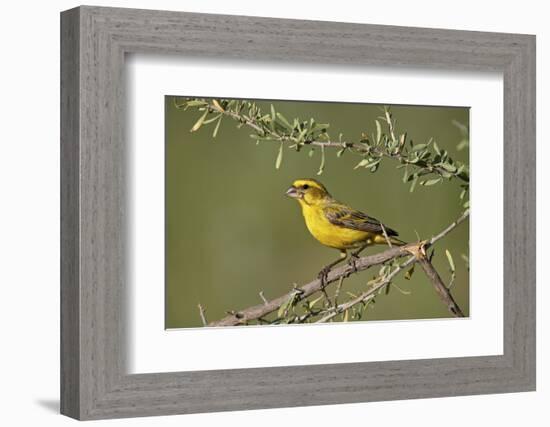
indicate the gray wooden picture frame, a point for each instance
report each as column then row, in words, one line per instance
column 94, row 382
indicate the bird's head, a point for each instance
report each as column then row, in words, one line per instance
column 308, row 191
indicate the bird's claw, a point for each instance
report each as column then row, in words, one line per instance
column 353, row 263
column 322, row 276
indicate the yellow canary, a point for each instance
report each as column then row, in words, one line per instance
column 335, row 224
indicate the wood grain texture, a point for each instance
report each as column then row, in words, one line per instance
column 94, row 382
column 70, row 292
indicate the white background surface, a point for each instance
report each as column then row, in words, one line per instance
column 29, row 233
column 152, row 349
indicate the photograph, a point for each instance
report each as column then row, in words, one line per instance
column 259, row 214
column 285, row 212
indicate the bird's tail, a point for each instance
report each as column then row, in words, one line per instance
column 397, row 242
column 381, row 240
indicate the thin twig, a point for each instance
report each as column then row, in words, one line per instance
column 253, row 313
column 202, row 313
column 390, row 125
column 442, row 290
column 337, row 291
column 325, row 294
column 347, row 145
column 450, row 227
column 369, row 294
column 262, row 296
column 452, row 281
column 385, row 235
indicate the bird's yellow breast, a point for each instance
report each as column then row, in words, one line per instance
column 332, row 235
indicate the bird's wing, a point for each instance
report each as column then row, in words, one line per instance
column 344, row 216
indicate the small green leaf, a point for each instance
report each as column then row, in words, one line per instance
column 370, row 164
column 362, row 163
column 217, row 106
column 436, row 148
column 424, row 155
column 215, row 133
column 461, row 127
column 450, row 259
column 322, row 165
column 311, row 152
column 279, row 157
column 402, row 139
column 378, row 131
column 429, row 182
column 448, row 167
column 284, row 120
column 285, row 306
column 409, row 273
column 266, row 118
column 404, row 292
column 199, row 122
column 311, row 304
column 213, row 119
column 196, row 103
column 413, row 184
column 462, row 145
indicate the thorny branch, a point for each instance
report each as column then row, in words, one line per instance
column 416, row 249
column 425, row 158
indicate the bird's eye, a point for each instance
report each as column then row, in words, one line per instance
column 305, row 186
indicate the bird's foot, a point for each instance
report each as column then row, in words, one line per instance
column 322, row 276
column 352, row 262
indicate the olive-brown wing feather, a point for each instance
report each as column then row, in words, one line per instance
column 347, row 217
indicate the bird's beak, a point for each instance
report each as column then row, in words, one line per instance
column 292, row 192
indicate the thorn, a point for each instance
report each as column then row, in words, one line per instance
column 202, row 313
column 419, row 250
column 296, row 289
column 263, row 297
column 235, row 313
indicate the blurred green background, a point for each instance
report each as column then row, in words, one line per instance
column 231, row 232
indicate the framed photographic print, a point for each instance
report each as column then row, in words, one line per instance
column 292, row 213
